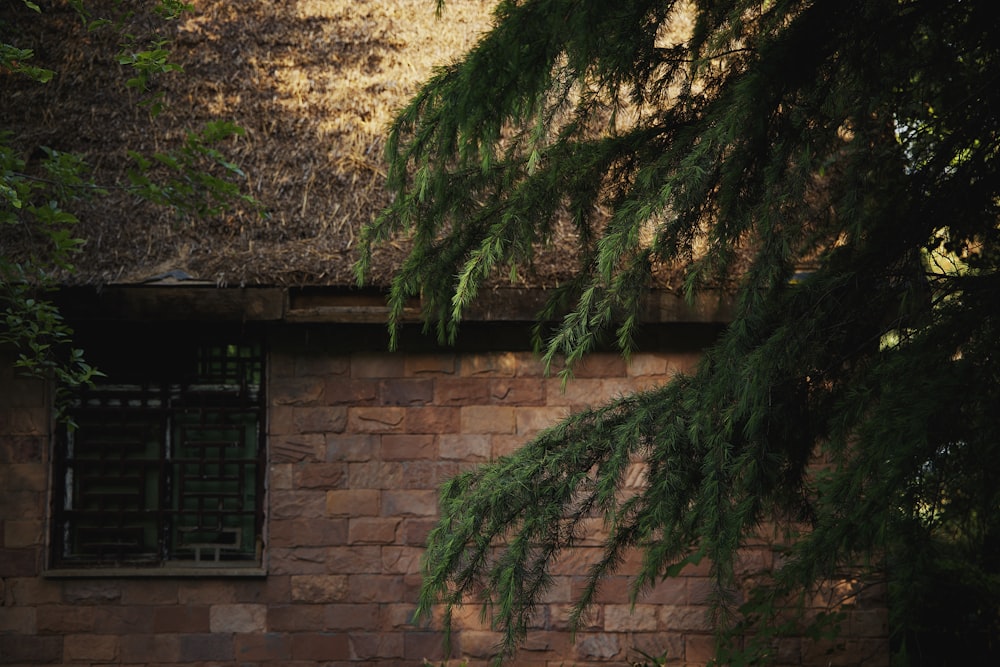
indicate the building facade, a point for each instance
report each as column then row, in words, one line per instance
column 118, row 556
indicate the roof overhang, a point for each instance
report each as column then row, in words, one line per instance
column 209, row 303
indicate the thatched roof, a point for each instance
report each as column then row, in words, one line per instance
column 313, row 82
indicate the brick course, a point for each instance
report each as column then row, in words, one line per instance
column 358, row 446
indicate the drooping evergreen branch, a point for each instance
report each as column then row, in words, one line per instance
column 849, row 413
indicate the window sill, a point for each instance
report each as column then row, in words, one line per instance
column 255, row 571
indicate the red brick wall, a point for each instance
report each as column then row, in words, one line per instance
column 358, row 444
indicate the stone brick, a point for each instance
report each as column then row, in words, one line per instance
column 297, row 447
column 530, row 365
column 561, row 590
column 372, row 530
column 150, row 649
column 319, row 475
column 296, row 618
column 298, row 504
column 698, row 649
column 375, row 645
column 24, row 477
column 408, row 447
column 483, row 644
column 699, row 589
column 359, row 559
column 307, row 532
column 177, row 618
column 203, row 648
column 645, row 363
column 321, row 364
column 428, row 646
column 30, row 650
column 505, row 445
column 90, row 648
column 532, row 420
column 670, row 591
column 64, row 619
column 576, row 561
column 21, row 392
column 401, row 560
column 414, row 502
column 351, row 616
column 375, row 419
column 274, row 589
column 561, row 614
column 243, row 618
column 17, row 620
column 314, row 588
column 542, row 644
column 281, row 420
column 597, row 646
column 327, row 419
column 405, row 392
column 23, row 506
column 668, row 647
column 461, row 391
column 869, row 623
column 21, row 534
column 375, row 588
column 398, row 616
column 377, row 365
column 684, row 617
column 296, row 391
column 263, row 647
column 493, row 364
column 296, row 560
column 788, row 651
column 427, row 474
column 30, row 590
column 149, row 592
column 429, row 364
column 19, row 562
column 353, row 502
column 21, row 449
column 600, row 365
column 352, row 448
column 521, row 391
column 471, row 447
column 415, row 530
column 487, row 419
column 92, row 592
column 580, row 393
column 342, row 391
column 205, row 592
column 593, row 531
column 279, row 476
column 24, row 421
column 433, row 420
column 325, row 647
column 123, row 619
column 375, row 475
column 626, row 618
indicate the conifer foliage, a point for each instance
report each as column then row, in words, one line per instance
column 858, row 138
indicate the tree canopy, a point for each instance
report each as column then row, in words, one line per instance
column 836, row 165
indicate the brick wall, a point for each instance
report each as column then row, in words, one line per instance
column 358, row 443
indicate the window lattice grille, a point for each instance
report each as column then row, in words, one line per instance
column 168, row 470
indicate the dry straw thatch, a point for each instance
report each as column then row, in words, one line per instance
column 313, row 82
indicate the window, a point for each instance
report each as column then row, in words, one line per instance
column 163, row 462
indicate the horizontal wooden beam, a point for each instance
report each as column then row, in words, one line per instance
column 318, row 305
